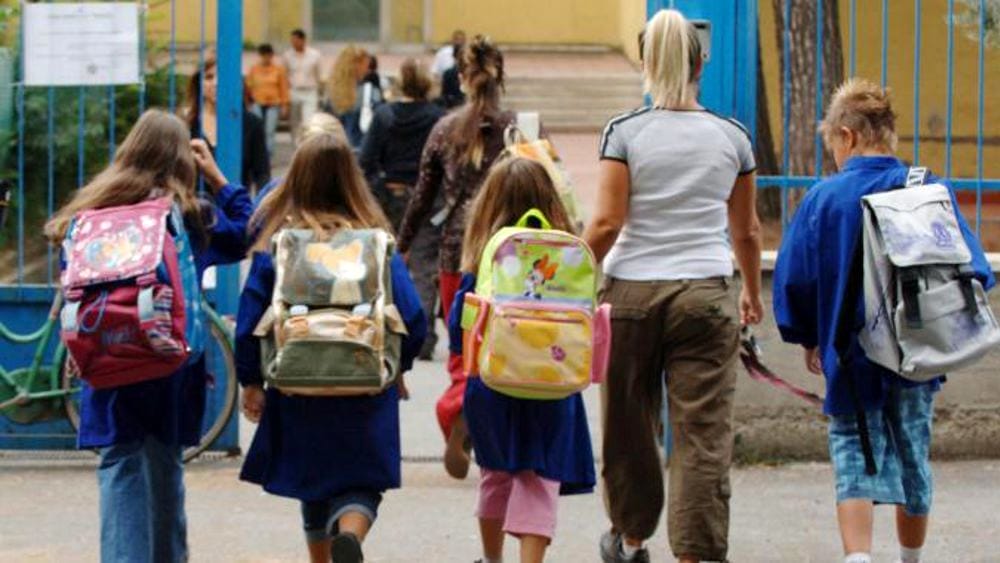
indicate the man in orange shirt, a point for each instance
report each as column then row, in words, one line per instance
column 269, row 89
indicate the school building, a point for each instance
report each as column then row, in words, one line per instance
column 405, row 23
column 614, row 24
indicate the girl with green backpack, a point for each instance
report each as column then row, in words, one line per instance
column 529, row 450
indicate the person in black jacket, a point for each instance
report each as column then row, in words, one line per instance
column 200, row 115
column 390, row 157
column 390, row 154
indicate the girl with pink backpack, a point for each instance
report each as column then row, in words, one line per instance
column 140, row 425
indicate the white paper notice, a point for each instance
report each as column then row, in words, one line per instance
column 88, row 43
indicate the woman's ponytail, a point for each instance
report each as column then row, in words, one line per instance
column 671, row 58
column 481, row 66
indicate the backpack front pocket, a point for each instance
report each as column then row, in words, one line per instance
column 537, row 353
column 329, row 352
column 950, row 336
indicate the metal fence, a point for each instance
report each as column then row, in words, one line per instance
column 63, row 135
column 976, row 182
column 915, row 39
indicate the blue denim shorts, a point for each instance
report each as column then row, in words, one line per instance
column 901, row 439
column 319, row 518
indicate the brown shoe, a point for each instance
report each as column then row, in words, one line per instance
column 456, row 450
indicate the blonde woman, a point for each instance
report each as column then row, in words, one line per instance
column 676, row 197
column 347, row 92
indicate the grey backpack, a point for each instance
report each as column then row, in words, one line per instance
column 925, row 312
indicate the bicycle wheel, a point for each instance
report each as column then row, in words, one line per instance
column 220, row 366
column 70, row 384
column 221, row 369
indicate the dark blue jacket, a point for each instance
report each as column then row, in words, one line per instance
column 811, row 273
column 316, row 448
column 170, row 409
column 551, row 438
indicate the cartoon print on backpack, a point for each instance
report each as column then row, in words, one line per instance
column 541, row 272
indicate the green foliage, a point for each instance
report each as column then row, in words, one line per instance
column 968, row 20
column 65, row 140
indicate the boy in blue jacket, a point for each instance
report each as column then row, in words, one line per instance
column 809, row 284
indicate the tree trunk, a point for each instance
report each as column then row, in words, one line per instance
column 802, row 57
column 769, row 200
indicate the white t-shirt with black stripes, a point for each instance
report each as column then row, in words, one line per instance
column 682, row 166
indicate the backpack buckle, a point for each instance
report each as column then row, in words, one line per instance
column 965, row 276
column 910, row 285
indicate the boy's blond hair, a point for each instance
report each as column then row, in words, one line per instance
column 865, row 108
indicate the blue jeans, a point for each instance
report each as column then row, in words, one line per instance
column 320, row 518
column 269, row 115
column 142, row 503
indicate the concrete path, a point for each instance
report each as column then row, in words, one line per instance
column 49, row 513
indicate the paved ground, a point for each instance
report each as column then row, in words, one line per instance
column 49, row 513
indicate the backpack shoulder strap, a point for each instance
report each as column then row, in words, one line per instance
column 843, row 341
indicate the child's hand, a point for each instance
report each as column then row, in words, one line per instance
column 813, row 361
column 404, row 393
column 253, row 402
column 206, row 165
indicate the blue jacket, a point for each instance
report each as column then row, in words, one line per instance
column 810, row 275
column 315, row 448
column 170, row 409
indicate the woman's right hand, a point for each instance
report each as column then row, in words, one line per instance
column 253, row 402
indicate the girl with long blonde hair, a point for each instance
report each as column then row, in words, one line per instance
column 346, row 90
column 141, row 429
column 528, row 451
column 336, row 455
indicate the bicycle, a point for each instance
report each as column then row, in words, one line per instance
column 41, row 386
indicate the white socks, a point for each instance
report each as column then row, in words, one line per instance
column 858, row 558
column 909, row 554
column 488, row 560
column 628, row 551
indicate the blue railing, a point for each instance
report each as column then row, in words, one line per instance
column 786, row 180
column 871, row 56
column 24, row 299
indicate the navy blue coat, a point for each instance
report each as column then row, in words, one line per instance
column 551, row 438
column 316, row 448
column 810, row 275
column 170, row 409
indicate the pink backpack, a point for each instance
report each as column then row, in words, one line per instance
column 123, row 320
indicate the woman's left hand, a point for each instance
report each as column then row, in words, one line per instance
column 751, row 308
column 206, row 165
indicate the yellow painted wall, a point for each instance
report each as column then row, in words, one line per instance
column 934, row 65
column 613, row 23
column 632, row 18
column 587, row 22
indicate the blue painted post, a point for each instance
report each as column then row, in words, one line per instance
column 854, row 38
column 786, row 105
column 950, row 89
column 979, row 123
column 916, row 82
column 229, row 150
column 172, row 72
column 885, row 42
column 818, row 142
